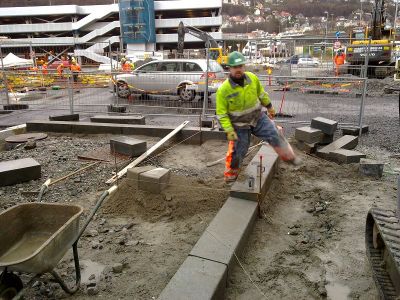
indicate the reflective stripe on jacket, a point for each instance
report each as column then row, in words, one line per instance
column 239, row 106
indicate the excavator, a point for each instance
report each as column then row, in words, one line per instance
column 382, row 241
column 382, row 48
column 215, row 52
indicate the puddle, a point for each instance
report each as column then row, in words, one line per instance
column 337, row 291
column 89, row 268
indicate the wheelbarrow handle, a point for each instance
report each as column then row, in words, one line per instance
column 103, row 196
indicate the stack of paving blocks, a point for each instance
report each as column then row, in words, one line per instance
column 321, row 132
column 128, row 146
column 149, row 178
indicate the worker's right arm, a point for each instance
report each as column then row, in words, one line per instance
column 222, row 112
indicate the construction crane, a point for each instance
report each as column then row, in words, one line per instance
column 381, row 51
column 214, row 51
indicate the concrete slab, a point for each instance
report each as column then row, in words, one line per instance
column 73, row 117
column 347, row 142
column 308, row 135
column 307, row 148
column 240, row 188
column 189, row 134
column 343, row 156
column 197, row 279
column 119, row 119
column 227, row 232
column 133, row 174
column 155, row 180
column 373, row 168
column 354, row 130
column 19, row 170
column 325, row 125
column 15, row 106
column 128, row 146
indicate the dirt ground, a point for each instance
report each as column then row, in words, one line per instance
column 309, row 243
column 149, row 235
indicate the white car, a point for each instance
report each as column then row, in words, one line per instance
column 308, row 62
column 183, row 77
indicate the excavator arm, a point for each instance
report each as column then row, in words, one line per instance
column 204, row 36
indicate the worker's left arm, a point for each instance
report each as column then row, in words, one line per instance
column 264, row 99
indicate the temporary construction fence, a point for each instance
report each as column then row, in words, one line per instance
column 296, row 99
column 298, row 91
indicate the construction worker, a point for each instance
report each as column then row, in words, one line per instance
column 240, row 100
column 125, row 65
column 44, row 69
column 75, row 69
column 339, row 60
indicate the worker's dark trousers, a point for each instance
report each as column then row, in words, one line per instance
column 266, row 130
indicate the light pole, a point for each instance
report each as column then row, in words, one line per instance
column 395, row 20
column 326, row 25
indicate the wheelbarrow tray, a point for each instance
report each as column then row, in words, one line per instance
column 34, row 237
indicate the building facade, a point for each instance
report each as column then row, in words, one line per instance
column 91, row 30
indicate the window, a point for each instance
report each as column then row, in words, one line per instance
column 168, row 67
column 191, row 67
column 149, row 68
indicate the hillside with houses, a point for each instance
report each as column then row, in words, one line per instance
column 296, row 17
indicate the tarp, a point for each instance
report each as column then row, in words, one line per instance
column 13, row 61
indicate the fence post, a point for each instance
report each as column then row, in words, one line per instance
column 70, row 93
column 4, row 76
column 111, row 70
column 364, row 92
column 205, row 102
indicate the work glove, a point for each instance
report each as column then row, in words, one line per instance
column 232, row 136
column 271, row 112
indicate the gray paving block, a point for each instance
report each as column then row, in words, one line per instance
column 73, row 117
column 308, row 135
column 208, row 123
column 348, row 142
column 240, row 189
column 325, row 125
column 354, row 130
column 133, row 174
column 19, row 170
column 373, row 168
column 343, row 156
column 155, row 180
column 128, row 146
column 139, row 120
column 197, row 279
column 227, row 232
column 307, row 148
column 116, row 108
column 326, row 139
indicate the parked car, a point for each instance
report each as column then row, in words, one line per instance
column 182, row 77
column 308, row 62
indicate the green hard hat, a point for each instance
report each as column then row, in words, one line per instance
column 236, row 59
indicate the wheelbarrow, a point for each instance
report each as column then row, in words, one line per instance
column 34, row 237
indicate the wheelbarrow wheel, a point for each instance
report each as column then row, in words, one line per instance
column 10, row 285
